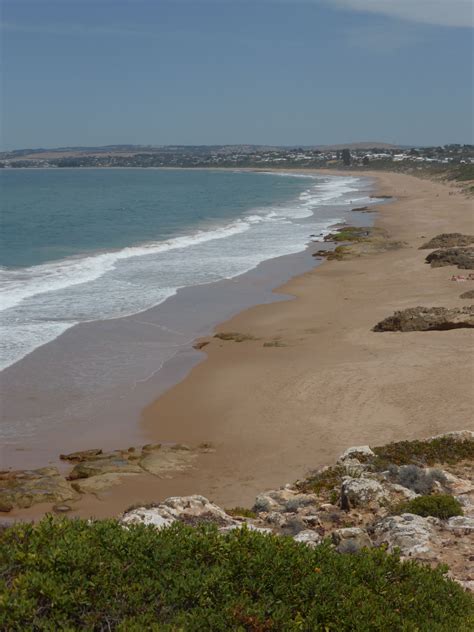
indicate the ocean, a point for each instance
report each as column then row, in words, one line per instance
column 81, row 246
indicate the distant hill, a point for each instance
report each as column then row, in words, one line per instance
column 128, row 150
column 361, row 145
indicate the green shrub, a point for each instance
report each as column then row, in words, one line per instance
column 442, row 450
column 441, row 506
column 74, row 575
column 242, row 512
column 325, row 481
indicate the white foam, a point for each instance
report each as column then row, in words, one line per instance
column 39, row 303
column 17, row 285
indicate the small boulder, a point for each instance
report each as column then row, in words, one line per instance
column 410, row 533
column 357, row 492
column 309, row 537
column 461, row 525
column 299, row 501
column 361, row 453
column 62, row 508
column 351, row 540
column 265, row 503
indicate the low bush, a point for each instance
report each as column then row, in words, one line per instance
column 323, row 482
column 442, row 450
column 79, row 575
column 241, row 512
column 441, row 506
column 416, row 478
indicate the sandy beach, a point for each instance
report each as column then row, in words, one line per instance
column 312, row 378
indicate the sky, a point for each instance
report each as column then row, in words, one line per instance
column 274, row 72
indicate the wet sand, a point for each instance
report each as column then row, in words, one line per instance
column 274, row 412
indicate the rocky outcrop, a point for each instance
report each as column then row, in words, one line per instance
column 114, row 463
column 166, row 461
column 82, row 455
column 463, row 258
column 94, row 472
column 428, row 319
column 410, row 533
column 23, row 488
column 356, row 492
column 192, row 510
column 361, row 511
column 468, row 294
column 448, row 240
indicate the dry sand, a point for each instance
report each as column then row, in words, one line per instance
column 273, row 413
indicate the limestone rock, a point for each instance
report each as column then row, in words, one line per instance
column 276, row 519
column 361, row 452
column 357, row 492
column 457, row 435
column 300, row 500
column 410, row 533
column 428, row 319
column 351, row 539
column 163, row 461
column 112, row 463
column 99, row 483
column 147, row 516
column 23, row 488
column 309, row 537
column 188, row 509
column 265, row 503
column 463, row 525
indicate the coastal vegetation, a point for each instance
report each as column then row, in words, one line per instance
column 65, row 574
column 442, row 506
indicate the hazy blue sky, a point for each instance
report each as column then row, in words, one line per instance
column 80, row 72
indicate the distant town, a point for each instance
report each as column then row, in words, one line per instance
column 374, row 156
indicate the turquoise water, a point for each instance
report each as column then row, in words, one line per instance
column 52, row 214
column 94, row 244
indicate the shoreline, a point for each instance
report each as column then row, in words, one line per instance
column 208, row 407
column 410, row 282
column 109, row 370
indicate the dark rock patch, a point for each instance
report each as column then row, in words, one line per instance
column 448, row 240
column 468, row 294
column 463, row 258
column 428, row 319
